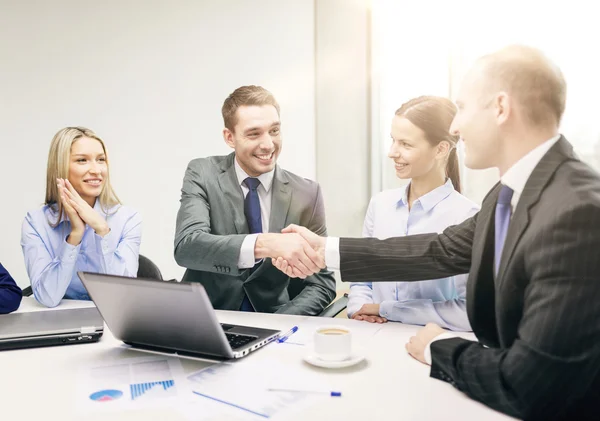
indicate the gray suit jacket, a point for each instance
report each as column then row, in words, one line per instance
column 540, row 317
column 211, row 227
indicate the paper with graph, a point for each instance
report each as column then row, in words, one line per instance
column 132, row 383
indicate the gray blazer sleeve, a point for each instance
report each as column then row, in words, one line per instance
column 195, row 247
column 319, row 289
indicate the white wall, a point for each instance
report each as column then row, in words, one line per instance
column 343, row 112
column 150, row 78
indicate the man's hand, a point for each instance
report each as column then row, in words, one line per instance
column 369, row 313
column 292, row 248
column 316, row 241
column 417, row 344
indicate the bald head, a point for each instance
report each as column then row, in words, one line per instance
column 535, row 83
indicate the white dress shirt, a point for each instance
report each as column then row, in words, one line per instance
column 516, row 177
column 247, row 259
column 440, row 301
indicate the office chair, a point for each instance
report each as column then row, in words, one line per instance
column 146, row 269
column 336, row 307
column 27, row 291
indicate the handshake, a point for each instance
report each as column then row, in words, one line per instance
column 297, row 252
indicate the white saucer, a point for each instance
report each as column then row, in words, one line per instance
column 314, row 360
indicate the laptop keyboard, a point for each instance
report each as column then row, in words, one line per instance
column 238, row 341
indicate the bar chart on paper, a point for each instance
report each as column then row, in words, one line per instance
column 152, row 389
column 132, row 382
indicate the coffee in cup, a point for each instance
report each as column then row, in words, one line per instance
column 333, row 332
column 333, row 343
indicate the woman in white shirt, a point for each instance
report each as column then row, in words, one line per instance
column 424, row 152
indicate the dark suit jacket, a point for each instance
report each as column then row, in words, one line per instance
column 10, row 293
column 211, row 227
column 539, row 320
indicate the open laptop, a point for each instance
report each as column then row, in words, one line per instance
column 50, row 327
column 169, row 317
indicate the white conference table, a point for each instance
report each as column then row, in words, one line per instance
column 40, row 384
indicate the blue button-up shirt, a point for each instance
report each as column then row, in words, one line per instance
column 440, row 301
column 52, row 263
column 10, row 293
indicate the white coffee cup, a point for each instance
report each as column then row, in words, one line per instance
column 333, row 343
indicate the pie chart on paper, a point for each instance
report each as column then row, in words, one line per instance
column 106, row 395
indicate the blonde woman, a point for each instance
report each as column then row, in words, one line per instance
column 82, row 226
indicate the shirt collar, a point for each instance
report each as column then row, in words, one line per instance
column 516, row 177
column 404, row 199
column 265, row 179
column 429, row 200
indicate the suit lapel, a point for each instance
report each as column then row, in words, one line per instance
column 280, row 201
column 232, row 191
column 480, row 287
column 536, row 183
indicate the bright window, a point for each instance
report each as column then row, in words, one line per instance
column 425, row 47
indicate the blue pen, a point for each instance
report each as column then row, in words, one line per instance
column 334, row 394
column 286, row 335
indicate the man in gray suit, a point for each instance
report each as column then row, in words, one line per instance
column 233, row 209
column 533, row 293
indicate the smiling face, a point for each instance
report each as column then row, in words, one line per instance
column 256, row 138
column 413, row 155
column 87, row 168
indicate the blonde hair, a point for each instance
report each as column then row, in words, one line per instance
column 530, row 77
column 59, row 158
column 245, row 95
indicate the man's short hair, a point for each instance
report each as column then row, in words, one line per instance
column 245, row 95
column 528, row 75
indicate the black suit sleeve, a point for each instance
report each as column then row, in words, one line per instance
column 411, row 258
column 552, row 368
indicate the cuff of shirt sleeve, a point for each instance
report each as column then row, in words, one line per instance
column 69, row 252
column 102, row 243
column 352, row 308
column 385, row 309
column 427, row 353
column 247, row 259
column 332, row 253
